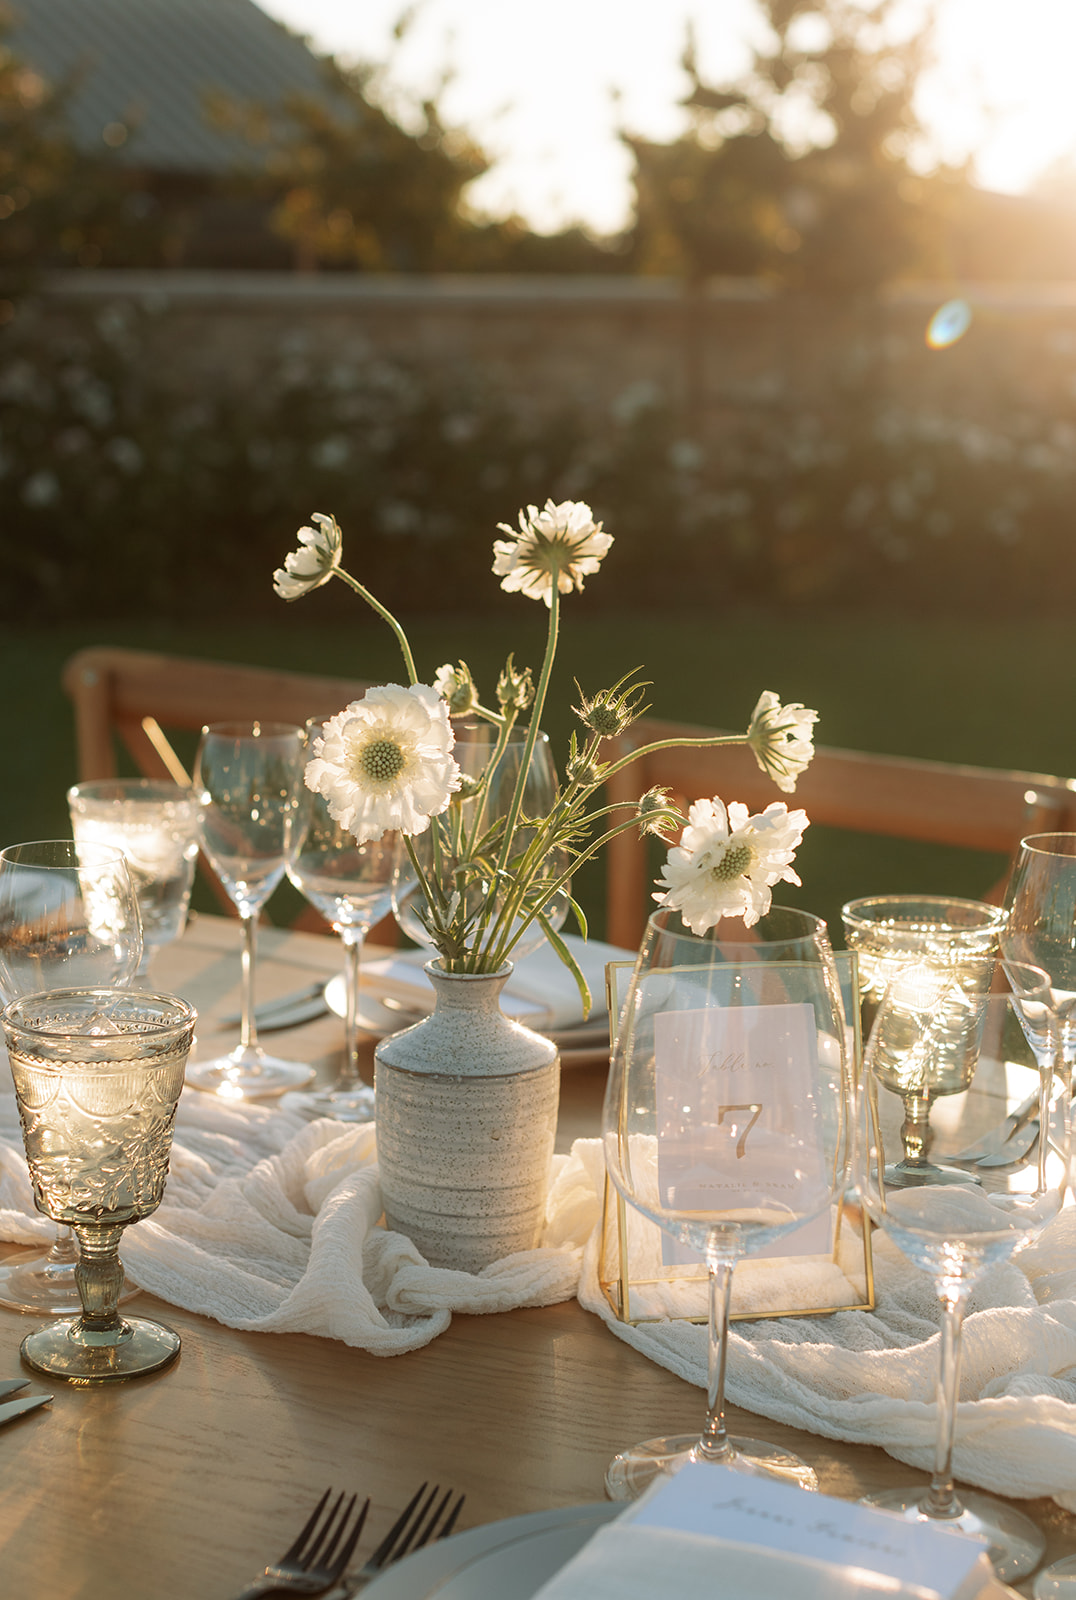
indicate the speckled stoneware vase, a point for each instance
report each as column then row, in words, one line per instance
column 466, row 1118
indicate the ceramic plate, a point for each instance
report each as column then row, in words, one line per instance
column 507, row 1560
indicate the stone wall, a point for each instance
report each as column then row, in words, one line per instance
column 732, row 346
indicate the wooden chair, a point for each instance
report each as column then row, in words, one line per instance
column 133, row 698
column 130, row 700
column 976, row 808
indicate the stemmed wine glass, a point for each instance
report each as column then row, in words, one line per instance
column 951, row 946
column 725, row 1122
column 449, row 837
column 1041, row 903
column 68, row 915
column 955, row 1231
column 248, row 781
column 351, row 885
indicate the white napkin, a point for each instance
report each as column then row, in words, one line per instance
column 541, row 991
column 767, row 1538
column 623, row 1562
column 271, row 1223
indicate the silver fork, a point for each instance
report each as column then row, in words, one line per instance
column 1002, row 1141
column 319, row 1556
column 424, row 1517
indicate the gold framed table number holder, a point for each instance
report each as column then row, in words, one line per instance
column 638, row 1289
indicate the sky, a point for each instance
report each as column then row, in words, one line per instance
column 544, row 88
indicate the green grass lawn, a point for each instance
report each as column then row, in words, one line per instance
column 996, row 694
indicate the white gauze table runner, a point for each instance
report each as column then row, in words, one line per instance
column 270, row 1224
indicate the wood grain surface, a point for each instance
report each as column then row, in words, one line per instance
column 182, row 1485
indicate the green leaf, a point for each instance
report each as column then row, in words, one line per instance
column 577, row 911
column 569, row 961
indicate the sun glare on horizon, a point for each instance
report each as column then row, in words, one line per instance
column 536, row 87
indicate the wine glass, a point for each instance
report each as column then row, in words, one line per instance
column 351, row 885
column 955, row 1231
column 98, row 1073
column 446, row 842
column 68, row 915
column 1041, row 902
column 725, row 1122
column 155, row 824
column 248, row 781
column 951, row 946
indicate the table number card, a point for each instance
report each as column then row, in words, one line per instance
column 738, row 1126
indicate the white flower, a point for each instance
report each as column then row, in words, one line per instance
column 384, row 763
column 782, row 738
column 315, row 561
column 456, row 686
column 565, row 538
column 727, row 862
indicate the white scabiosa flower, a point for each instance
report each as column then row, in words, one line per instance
column 564, row 539
column 315, row 561
column 727, row 862
column 782, row 738
column 385, row 762
column 456, row 687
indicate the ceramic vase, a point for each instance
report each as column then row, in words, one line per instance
column 466, row 1120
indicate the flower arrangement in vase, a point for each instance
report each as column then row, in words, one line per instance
column 466, row 1100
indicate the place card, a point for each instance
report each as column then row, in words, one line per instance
column 753, row 1146
column 720, row 1503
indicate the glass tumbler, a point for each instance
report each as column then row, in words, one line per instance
column 155, row 824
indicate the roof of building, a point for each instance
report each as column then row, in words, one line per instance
column 149, row 64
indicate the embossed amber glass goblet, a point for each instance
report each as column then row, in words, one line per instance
column 98, row 1074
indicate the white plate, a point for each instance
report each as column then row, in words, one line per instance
column 511, row 1560
column 507, row 1560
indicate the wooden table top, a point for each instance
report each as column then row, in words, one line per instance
column 183, row 1484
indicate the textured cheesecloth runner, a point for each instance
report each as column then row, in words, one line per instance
column 270, row 1223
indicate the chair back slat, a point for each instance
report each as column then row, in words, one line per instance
column 975, row 808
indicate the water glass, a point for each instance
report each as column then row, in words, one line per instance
column 926, row 1041
column 155, row 824
column 98, row 1074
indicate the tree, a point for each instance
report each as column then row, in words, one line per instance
column 802, row 170
column 58, row 206
column 349, row 185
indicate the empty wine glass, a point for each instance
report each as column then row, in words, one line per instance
column 450, row 838
column 155, row 824
column 351, row 885
column 98, row 1073
column 248, row 781
column 68, row 915
column 725, row 1123
column 946, row 949
column 955, row 1231
column 1041, row 927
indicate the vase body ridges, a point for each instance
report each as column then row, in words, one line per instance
column 466, row 1122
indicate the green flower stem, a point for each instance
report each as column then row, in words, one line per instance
column 423, row 881
column 674, row 744
column 532, row 735
column 382, row 611
column 507, row 945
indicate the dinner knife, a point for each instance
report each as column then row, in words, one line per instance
column 26, row 1402
column 9, row 1385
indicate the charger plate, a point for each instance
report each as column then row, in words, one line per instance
column 507, row 1560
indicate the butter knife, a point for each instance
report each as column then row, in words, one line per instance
column 26, row 1402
